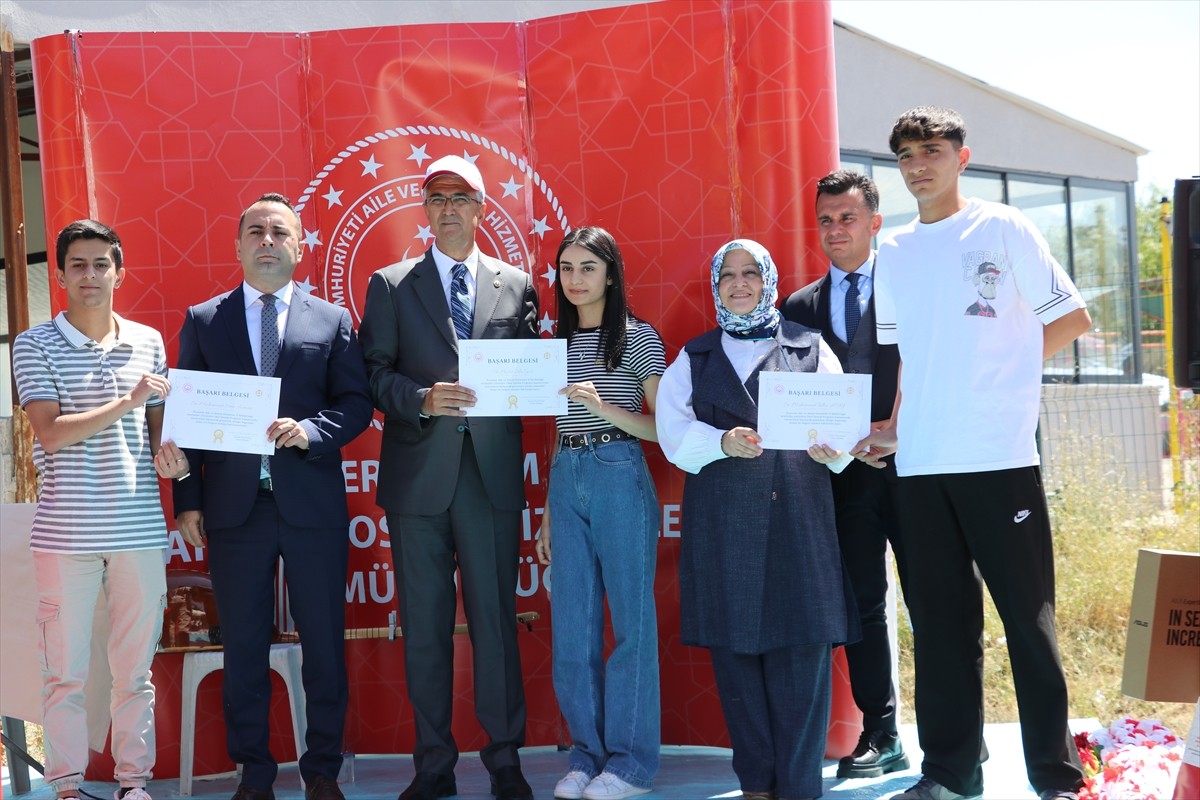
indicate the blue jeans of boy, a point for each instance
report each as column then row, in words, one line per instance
column 604, row 542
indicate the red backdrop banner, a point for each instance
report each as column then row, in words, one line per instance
column 676, row 125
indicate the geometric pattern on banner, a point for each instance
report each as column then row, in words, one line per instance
column 676, row 125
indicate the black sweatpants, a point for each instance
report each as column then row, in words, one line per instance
column 958, row 528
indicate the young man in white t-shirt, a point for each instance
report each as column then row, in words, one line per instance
column 974, row 299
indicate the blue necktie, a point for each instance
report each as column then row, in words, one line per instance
column 853, row 315
column 460, row 302
column 268, row 357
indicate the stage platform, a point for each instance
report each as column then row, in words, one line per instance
column 687, row 773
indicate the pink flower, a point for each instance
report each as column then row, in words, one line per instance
column 1140, row 761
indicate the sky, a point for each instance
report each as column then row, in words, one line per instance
column 1131, row 69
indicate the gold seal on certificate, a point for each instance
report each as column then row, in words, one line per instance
column 220, row 411
column 514, row 377
column 797, row 410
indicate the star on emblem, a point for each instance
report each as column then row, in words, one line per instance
column 424, row 234
column 511, row 187
column 418, row 154
column 371, row 167
column 305, row 286
column 540, row 227
column 333, row 197
column 310, row 239
column 550, row 274
column 469, row 158
column 545, row 324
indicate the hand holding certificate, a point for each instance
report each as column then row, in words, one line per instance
column 514, row 377
column 797, row 410
column 220, row 411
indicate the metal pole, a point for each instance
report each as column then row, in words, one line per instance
column 17, row 748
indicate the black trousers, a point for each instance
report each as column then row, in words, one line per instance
column 241, row 563
column 483, row 543
column 865, row 499
column 960, row 530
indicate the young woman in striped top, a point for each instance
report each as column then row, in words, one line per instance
column 605, row 520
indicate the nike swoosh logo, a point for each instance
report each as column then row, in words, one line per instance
column 1021, row 516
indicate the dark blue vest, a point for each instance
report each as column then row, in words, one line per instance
column 759, row 564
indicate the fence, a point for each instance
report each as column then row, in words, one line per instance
column 1118, row 435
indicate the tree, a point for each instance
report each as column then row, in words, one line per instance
column 1149, row 235
column 1150, row 256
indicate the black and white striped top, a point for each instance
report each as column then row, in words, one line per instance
column 99, row 495
column 643, row 358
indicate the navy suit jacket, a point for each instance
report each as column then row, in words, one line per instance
column 810, row 306
column 323, row 387
column 409, row 344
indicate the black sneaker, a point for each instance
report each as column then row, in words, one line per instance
column 929, row 789
column 878, row 753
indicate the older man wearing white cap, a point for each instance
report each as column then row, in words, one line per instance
column 452, row 488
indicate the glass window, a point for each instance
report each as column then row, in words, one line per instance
column 897, row 206
column 861, row 167
column 1101, row 270
column 984, row 185
column 38, row 278
column 1044, row 201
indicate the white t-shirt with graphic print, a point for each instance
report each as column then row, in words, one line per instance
column 965, row 299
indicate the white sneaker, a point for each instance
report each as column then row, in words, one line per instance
column 135, row 793
column 607, row 786
column 572, row 785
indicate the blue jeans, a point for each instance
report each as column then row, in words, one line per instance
column 604, row 540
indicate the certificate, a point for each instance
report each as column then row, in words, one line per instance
column 219, row 411
column 514, row 377
column 799, row 409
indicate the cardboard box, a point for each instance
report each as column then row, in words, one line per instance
column 1162, row 646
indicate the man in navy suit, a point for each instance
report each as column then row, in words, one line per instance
column 452, row 486
column 840, row 305
column 250, row 510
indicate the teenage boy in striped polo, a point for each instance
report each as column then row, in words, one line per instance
column 93, row 386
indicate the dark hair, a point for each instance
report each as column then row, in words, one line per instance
column 269, row 197
column 87, row 229
column 615, row 321
column 843, row 181
column 928, row 122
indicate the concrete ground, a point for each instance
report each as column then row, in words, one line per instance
column 686, row 773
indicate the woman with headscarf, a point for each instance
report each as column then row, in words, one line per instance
column 760, row 574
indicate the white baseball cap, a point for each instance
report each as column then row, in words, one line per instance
column 454, row 165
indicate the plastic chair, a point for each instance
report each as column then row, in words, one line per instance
column 285, row 659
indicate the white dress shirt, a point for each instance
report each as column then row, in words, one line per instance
column 283, row 301
column 445, row 267
column 691, row 444
column 839, row 286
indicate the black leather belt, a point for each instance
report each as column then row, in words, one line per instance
column 575, row 441
column 264, row 484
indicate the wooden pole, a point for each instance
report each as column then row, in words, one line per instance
column 16, row 279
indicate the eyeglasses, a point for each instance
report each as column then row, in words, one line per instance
column 460, row 200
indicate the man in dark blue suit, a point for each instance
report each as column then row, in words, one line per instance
column 250, row 510
column 840, row 305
